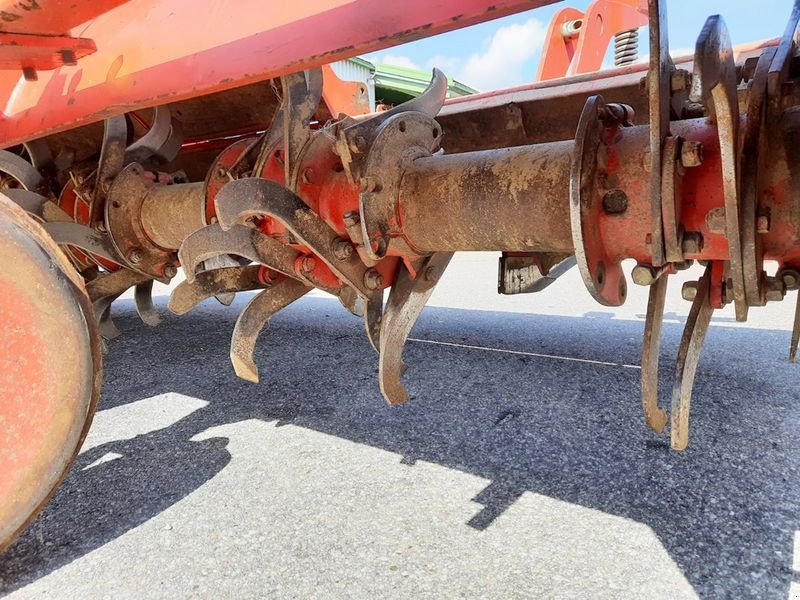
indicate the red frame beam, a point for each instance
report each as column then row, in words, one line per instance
column 154, row 52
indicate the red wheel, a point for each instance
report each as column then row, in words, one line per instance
column 50, row 368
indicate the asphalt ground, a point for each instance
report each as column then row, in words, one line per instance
column 521, row 467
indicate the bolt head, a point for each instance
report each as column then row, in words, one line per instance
column 643, row 275
column 689, row 290
column 308, row 175
column 681, row 80
column 790, row 278
column 615, row 202
column 691, row 154
column 170, row 271
column 431, row 274
column 351, row 218
column 135, row 256
column 774, row 289
column 309, row 264
column 373, row 279
column 342, row 249
column 762, row 224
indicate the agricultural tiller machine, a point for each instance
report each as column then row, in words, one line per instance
column 146, row 136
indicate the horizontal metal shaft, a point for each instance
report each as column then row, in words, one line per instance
column 171, row 212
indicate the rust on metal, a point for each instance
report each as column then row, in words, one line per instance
column 254, row 318
column 50, row 366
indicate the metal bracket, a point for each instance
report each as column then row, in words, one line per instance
column 530, row 273
column 670, row 196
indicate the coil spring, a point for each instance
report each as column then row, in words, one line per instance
column 626, row 47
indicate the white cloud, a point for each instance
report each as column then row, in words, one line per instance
column 396, row 60
column 448, row 64
column 501, row 62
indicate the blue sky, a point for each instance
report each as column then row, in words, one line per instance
column 506, row 52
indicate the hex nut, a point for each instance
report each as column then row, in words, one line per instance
column 135, row 256
column 372, row 279
column 692, row 242
column 351, row 218
column 689, row 290
column 774, row 289
column 691, row 153
column 615, row 202
column 342, row 249
column 308, row 264
column 681, row 80
column 643, row 275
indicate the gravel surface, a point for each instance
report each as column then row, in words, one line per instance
column 520, row 468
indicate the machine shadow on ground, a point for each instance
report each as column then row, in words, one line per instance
column 726, row 510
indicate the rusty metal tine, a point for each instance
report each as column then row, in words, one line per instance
column 239, row 240
column 302, row 93
column 36, row 204
column 218, row 262
column 350, row 299
column 654, row 416
column 143, row 298
column 113, row 284
column 254, row 318
column 373, row 317
column 752, row 162
column 407, row 298
column 149, row 144
column 83, row 237
column 21, row 170
column 795, row 331
column 779, row 68
column 102, row 310
column 253, row 195
column 694, row 335
column 112, row 159
column 658, row 84
column 213, row 283
column 714, row 83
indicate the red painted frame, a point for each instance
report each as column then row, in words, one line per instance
column 152, row 52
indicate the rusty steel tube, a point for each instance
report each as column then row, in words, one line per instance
column 513, row 199
column 171, row 212
column 518, row 199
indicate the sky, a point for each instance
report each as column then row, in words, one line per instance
column 505, row 52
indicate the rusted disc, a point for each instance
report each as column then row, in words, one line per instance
column 50, row 368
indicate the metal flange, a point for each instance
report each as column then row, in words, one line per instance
column 400, row 140
column 124, row 224
column 601, row 272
